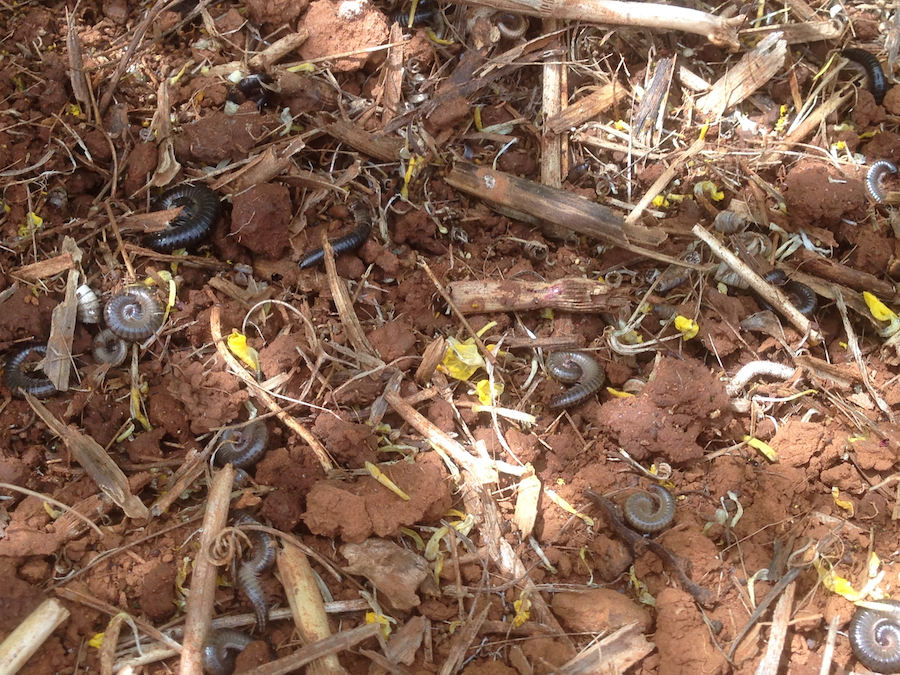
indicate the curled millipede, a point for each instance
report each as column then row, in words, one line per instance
column 875, row 637
column 729, row 222
column 574, row 367
column 88, row 304
column 349, row 242
column 134, row 313
column 244, row 447
column 20, row 382
column 650, row 511
column 874, row 176
column 107, row 347
column 877, row 82
column 202, row 209
column 248, row 571
column 801, row 296
column 511, row 26
column 218, row 657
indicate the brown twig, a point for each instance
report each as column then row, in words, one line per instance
column 203, row 580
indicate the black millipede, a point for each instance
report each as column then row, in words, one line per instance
column 425, row 11
column 511, row 26
column 202, row 209
column 874, row 176
column 574, row 367
column 877, row 81
column 134, row 313
column 20, row 382
column 243, row 447
column 218, row 656
column 801, row 296
column 248, row 571
column 875, row 637
column 349, row 242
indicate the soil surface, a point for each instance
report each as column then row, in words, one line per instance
column 513, row 556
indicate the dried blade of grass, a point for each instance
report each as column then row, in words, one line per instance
column 769, row 663
column 167, row 167
column 82, row 515
column 463, row 640
column 307, row 607
column 774, row 295
column 378, row 146
column 265, row 59
column 344, row 305
column 753, row 71
column 57, row 364
column 203, row 580
column 615, row 653
column 554, row 94
column 721, row 31
column 586, row 108
column 27, row 638
column 76, row 65
column 393, row 76
column 45, row 268
column 215, row 326
column 94, row 460
column 830, row 641
column 272, row 162
column 832, row 270
column 339, row 642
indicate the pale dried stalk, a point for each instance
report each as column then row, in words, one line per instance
column 664, row 179
column 94, row 460
column 307, row 607
column 615, row 653
column 719, row 30
column 571, row 294
column 332, row 645
column 753, row 71
column 203, row 580
column 29, row 635
column 215, row 327
column 774, row 295
column 768, row 665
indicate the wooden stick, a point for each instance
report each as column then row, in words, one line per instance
column 307, row 607
column 27, row 638
column 718, row 30
column 773, row 294
column 203, row 581
column 332, row 645
column 812, row 263
column 572, row 294
column 557, row 206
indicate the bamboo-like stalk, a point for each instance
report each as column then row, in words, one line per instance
column 721, row 31
column 203, row 582
column 307, row 607
column 27, row 638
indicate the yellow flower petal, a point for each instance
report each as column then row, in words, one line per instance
column 237, row 343
column 687, row 327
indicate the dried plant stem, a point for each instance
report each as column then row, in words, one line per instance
column 664, row 179
column 307, row 607
column 27, row 638
column 203, row 581
column 50, row 500
column 772, row 294
column 775, row 644
column 332, row 645
column 720, row 31
column 215, row 326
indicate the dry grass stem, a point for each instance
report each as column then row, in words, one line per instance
column 203, row 579
column 720, row 31
column 769, row 665
column 94, row 460
column 29, row 635
column 752, row 72
column 571, row 294
column 44, row 269
column 615, row 653
column 774, row 295
column 332, row 645
column 307, row 607
column 560, row 207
